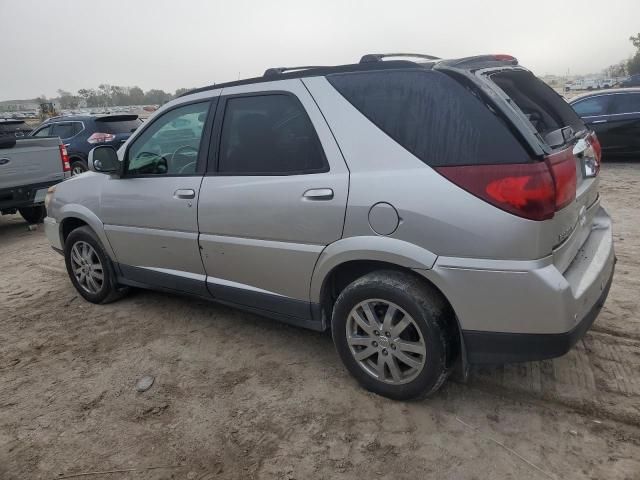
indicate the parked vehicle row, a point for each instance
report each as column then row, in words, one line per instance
column 431, row 213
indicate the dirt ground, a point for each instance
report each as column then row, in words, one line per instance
column 238, row 396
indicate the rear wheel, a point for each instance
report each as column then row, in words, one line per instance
column 390, row 330
column 78, row 167
column 90, row 268
column 33, row 214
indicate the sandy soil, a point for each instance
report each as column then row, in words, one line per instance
column 238, row 396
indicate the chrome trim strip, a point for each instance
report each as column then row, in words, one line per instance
column 178, row 273
column 243, row 286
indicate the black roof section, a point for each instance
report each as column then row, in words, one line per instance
column 372, row 61
column 284, row 73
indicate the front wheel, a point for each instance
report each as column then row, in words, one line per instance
column 33, row 214
column 89, row 267
column 391, row 332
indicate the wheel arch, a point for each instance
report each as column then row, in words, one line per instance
column 339, row 265
column 73, row 216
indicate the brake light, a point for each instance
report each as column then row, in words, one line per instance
column 526, row 190
column 530, row 190
column 501, row 57
column 64, row 157
column 99, row 137
column 563, row 170
column 597, row 149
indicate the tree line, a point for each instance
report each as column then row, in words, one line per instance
column 112, row 95
column 627, row 67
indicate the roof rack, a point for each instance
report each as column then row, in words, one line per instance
column 377, row 57
column 269, row 72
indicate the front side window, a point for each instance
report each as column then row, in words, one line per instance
column 171, row 144
column 592, row 107
column 268, row 135
column 43, row 132
column 626, row 103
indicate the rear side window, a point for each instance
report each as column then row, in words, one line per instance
column 432, row 116
column 625, row 103
column 268, row 135
column 591, row 107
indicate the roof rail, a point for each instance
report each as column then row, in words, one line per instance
column 377, row 57
column 270, row 72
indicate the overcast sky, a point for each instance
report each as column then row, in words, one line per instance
column 165, row 44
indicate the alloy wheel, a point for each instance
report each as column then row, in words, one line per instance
column 385, row 341
column 87, row 267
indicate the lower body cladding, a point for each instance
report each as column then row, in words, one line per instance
column 514, row 311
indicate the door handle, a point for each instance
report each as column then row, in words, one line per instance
column 595, row 122
column 184, row 193
column 318, row 194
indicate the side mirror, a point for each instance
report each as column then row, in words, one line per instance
column 104, row 159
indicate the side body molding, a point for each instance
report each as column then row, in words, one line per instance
column 75, row 210
column 382, row 249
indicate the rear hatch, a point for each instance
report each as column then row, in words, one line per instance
column 563, row 138
column 114, row 129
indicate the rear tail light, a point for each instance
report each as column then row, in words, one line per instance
column 99, row 137
column 64, row 157
column 530, row 190
column 597, row 149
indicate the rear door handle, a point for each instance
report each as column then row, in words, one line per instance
column 184, row 193
column 318, row 194
column 595, row 122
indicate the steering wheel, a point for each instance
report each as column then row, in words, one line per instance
column 188, row 165
column 156, row 157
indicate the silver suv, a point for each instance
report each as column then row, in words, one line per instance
column 431, row 213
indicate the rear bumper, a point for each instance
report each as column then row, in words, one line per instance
column 23, row 196
column 512, row 311
column 497, row 347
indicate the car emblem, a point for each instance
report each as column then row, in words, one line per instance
column 4, row 161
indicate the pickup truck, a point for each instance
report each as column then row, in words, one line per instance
column 28, row 167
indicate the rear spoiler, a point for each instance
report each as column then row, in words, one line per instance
column 117, row 118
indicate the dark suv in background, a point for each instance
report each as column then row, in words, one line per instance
column 80, row 133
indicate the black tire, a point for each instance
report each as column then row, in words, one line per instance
column 78, row 167
column 108, row 291
column 428, row 309
column 33, row 214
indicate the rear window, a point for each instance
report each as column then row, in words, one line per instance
column 17, row 128
column 547, row 111
column 432, row 116
column 118, row 125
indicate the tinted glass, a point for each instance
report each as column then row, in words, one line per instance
column 625, row 103
column 171, row 144
column 268, row 135
column 432, row 116
column 63, row 130
column 44, row 132
column 592, row 107
column 125, row 126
